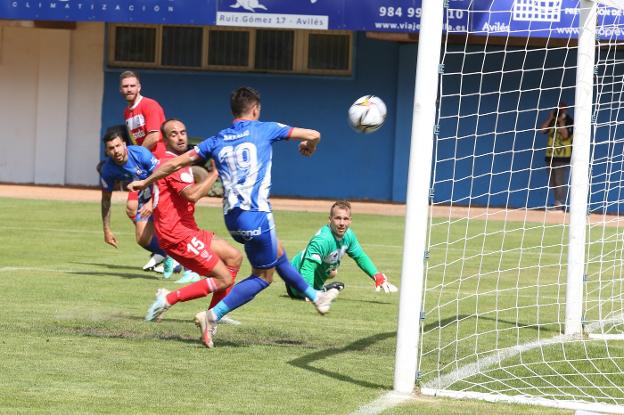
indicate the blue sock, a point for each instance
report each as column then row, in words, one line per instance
column 241, row 293
column 290, row 275
column 154, row 248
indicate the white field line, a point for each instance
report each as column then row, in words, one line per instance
column 584, row 407
column 497, row 357
column 438, row 387
column 385, row 401
column 58, row 230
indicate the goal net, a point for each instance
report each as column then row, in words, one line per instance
column 524, row 273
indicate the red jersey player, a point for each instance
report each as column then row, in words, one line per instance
column 196, row 249
column 143, row 117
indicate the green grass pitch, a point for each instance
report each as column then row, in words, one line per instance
column 73, row 339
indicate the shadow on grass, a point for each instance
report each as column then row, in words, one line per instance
column 126, row 334
column 133, row 272
column 144, row 332
column 127, row 276
column 109, row 266
column 243, row 336
column 305, row 362
column 107, row 333
column 347, row 300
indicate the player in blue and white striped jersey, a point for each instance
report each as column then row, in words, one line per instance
column 243, row 156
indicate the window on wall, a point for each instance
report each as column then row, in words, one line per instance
column 135, row 44
column 230, row 49
column 182, row 46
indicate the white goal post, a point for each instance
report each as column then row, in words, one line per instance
column 502, row 297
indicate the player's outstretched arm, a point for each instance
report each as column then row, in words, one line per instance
column 309, row 139
column 165, row 170
column 196, row 191
column 363, row 261
column 109, row 236
column 382, row 282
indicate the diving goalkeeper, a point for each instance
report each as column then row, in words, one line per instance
column 321, row 258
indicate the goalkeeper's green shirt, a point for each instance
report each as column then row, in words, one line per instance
column 324, row 253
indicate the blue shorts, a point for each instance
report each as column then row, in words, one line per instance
column 255, row 230
column 144, row 196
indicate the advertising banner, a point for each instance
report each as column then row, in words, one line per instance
column 538, row 18
column 517, row 18
column 200, row 12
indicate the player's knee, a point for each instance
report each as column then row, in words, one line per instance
column 142, row 242
column 228, row 281
column 230, row 256
column 265, row 274
column 235, row 259
column 131, row 208
column 143, row 239
column 224, row 281
column 131, row 213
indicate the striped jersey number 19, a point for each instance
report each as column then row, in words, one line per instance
column 239, row 160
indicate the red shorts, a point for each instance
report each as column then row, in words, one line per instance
column 133, row 195
column 193, row 252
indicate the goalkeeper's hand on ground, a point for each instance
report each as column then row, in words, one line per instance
column 381, row 281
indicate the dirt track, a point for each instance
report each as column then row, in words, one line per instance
column 520, row 215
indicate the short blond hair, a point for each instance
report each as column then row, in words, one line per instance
column 340, row 204
column 129, row 74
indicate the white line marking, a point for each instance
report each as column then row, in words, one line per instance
column 498, row 356
column 385, row 401
column 62, row 230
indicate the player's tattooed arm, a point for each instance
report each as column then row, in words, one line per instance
column 109, row 236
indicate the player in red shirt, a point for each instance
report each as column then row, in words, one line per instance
column 143, row 117
column 194, row 248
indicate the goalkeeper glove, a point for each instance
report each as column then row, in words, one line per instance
column 381, row 281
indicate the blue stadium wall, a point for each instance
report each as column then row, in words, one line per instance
column 346, row 165
column 480, row 168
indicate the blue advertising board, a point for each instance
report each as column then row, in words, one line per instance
column 378, row 15
column 373, row 15
column 538, row 18
column 134, row 11
column 518, row 18
column 303, row 14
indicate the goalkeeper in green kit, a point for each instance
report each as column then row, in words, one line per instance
column 321, row 258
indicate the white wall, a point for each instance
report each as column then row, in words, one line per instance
column 51, row 85
column 86, row 90
column 19, row 69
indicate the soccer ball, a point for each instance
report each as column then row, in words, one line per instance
column 367, row 114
